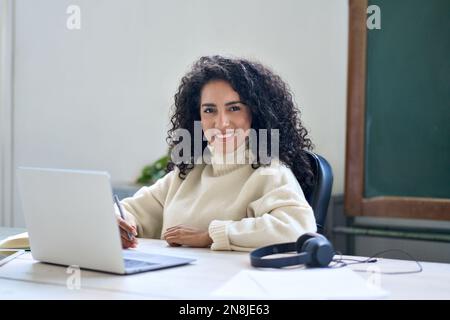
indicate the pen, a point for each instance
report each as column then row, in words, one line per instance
column 116, row 200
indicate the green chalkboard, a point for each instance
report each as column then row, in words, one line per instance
column 407, row 119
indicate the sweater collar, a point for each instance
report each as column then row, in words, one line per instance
column 223, row 163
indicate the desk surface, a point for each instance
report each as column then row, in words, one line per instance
column 25, row 278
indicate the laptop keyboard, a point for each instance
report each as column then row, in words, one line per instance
column 129, row 263
column 136, row 261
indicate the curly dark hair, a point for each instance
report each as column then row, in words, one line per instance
column 268, row 98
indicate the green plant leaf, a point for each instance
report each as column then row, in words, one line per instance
column 154, row 171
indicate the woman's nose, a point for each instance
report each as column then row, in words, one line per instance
column 223, row 121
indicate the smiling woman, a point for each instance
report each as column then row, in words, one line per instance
column 230, row 205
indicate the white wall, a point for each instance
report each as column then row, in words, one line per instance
column 6, row 111
column 99, row 97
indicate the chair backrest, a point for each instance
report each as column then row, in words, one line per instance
column 319, row 195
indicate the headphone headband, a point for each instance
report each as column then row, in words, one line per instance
column 257, row 255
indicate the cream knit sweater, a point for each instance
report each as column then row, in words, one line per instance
column 242, row 208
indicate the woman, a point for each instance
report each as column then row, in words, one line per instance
column 232, row 200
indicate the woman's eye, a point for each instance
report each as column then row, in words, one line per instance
column 208, row 110
column 235, row 108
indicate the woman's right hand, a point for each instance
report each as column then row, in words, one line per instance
column 126, row 230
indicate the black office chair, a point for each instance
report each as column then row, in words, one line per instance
column 319, row 195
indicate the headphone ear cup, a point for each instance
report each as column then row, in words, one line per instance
column 302, row 240
column 318, row 247
column 322, row 252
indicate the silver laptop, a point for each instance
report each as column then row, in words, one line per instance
column 70, row 219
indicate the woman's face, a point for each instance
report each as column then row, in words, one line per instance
column 225, row 119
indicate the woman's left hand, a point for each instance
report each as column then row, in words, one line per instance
column 188, row 236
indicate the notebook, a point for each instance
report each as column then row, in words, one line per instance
column 18, row 241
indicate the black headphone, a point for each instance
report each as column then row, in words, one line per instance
column 313, row 250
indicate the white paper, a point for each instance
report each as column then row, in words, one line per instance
column 317, row 283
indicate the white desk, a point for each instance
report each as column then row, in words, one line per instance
column 24, row 278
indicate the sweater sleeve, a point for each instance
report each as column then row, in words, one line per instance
column 281, row 214
column 145, row 208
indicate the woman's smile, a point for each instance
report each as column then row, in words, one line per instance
column 225, row 137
